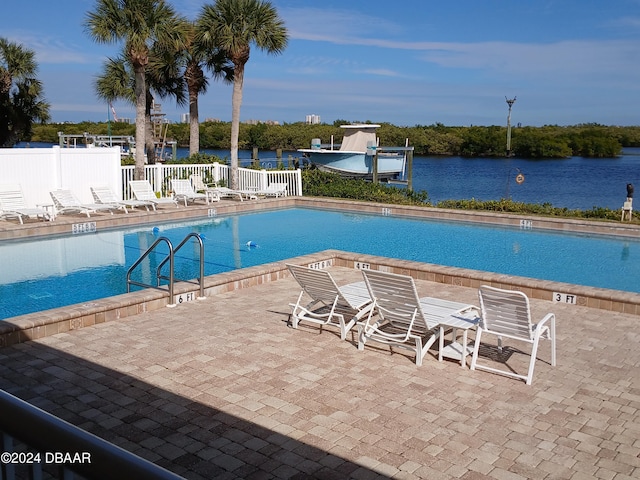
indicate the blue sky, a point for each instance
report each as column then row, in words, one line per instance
column 408, row 62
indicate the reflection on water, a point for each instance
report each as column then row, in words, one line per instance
column 625, row 252
column 59, row 256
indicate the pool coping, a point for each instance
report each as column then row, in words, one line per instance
column 50, row 322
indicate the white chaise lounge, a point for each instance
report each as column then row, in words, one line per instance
column 329, row 304
column 12, row 204
column 105, row 195
column 399, row 318
column 274, row 190
column 143, row 191
column 219, row 192
column 66, row 202
column 183, row 191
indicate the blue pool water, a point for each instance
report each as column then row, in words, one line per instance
column 48, row 273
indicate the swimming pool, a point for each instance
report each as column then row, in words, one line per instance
column 48, row 273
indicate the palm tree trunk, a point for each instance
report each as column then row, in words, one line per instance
column 194, row 125
column 141, row 102
column 236, row 101
column 149, row 140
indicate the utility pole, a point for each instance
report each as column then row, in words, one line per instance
column 510, row 102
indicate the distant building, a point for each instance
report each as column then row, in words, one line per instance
column 184, row 118
column 258, row 122
column 313, row 119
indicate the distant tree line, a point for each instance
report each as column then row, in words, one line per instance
column 550, row 141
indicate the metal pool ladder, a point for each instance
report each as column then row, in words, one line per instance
column 171, row 259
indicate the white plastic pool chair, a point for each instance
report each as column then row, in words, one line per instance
column 399, row 318
column 330, row 304
column 183, row 191
column 220, row 192
column 506, row 313
column 274, row 190
column 66, row 202
column 105, row 195
column 12, row 204
column 142, row 190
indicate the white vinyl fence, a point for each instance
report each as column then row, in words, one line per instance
column 40, row 170
column 160, row 176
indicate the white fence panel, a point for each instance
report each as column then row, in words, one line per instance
column 40, row 170
column 82, row 168
column 160, row 175
column 293, row 179
column 34, row 169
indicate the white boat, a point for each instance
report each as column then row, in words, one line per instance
column 355, row 155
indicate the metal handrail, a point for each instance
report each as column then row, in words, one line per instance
column 47, row 433
column 145, row 255
column 175, row 250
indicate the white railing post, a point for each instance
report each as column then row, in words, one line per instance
column 216, row 172
column 263, row 179
column 298, row 182
column 159, row 174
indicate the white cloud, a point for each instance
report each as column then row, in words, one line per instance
column 564, row 59
column 382, row 72
column 333, row 25
column 568, row 57
column 633, row 22
column 53, row 50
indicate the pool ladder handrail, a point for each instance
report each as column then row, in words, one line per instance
column 172, row 274
column 171, row 259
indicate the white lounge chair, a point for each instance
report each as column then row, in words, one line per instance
column 183, row 191
column 399, row 318
column 507, row 314
column 330, row 305
column 198, row 183
column 220, row 192
column 273, row 190
column 66, row 202
column 142, row 191
column 106, row 196
column 12, row 204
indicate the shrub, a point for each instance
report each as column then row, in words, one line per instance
column 544, row 209
column 323, row 184
column 198, row 158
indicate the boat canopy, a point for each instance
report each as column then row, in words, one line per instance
column 356, row 137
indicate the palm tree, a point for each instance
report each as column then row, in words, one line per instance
column 117, row 82
column 195, row 57
column 232, row 26
column 20, row 93
column 139, row 24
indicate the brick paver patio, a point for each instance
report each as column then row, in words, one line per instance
column 223, row 388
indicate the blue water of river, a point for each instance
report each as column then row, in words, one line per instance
column 574, row 183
